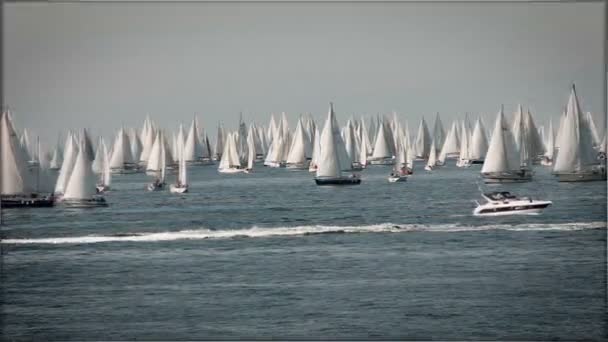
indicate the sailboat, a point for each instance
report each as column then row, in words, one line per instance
column 181, row 185
column 80, row 191
column 252, row 154
column 400, row 170
column 576, row 159
column 297, row 158
column 465, row 142
column 382, row 153
column 547, row 158
column 159, row 181
column 432, row 161
column 16, row 183
column 451, row 145
column 316, row 150
column 503, row 163
column 105, row 175
column 332, row 156
column 230, row 162
column 479, row 144
column 122, row 160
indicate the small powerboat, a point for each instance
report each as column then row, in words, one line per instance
column 400, row 176
column 353, row 179
column 505, row 203
column 101, row 188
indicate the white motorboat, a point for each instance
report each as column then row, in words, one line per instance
column 505, row 203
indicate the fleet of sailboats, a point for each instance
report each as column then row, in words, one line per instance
column 74, row 172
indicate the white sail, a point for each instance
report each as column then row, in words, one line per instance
column 182, row 174
column 593, row 128
column 350, row 142
column 576, row 152
column 465, row 137
column 98, row 160
column 193, row 149
column 451, row 145
column 300, row 146
column 479, row 143
column 121, row 152
column 438, row 134
column 432, row 155
column 14, row 173
column 69, row 158
column 550, row 141
column 219, row 143
column 316, row 151
column 136, row 145
column 251, row 148
column 382, row 147
column 502, row 155
column 230, row 158
column 159, row 154
column 81, row 184
column 147, row 143
column 329, row 163
column 423, row 141
column 106, row 174
column 56, row 159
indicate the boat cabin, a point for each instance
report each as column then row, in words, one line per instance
column 499, row 196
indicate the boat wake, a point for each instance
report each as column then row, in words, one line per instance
column 262, row 232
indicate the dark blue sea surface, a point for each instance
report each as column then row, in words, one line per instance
column 270, row 255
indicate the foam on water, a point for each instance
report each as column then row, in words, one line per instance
column 261, row 232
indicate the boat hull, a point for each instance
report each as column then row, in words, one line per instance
column 580, row 177
column 496, row 178
column 85, row 203
column 230, row 170
column 393, row 179
column 26, row 202
column 178, row 189
column 102, row 188
column 381, row 162
column 155, row 187
column 532, row 208
column 338, row 181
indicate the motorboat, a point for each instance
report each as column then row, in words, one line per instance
column 353, row 179
column 157, row 185
column 505, row 203
column 95, row 201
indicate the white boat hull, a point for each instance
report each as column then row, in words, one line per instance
column 178, row 189
column 84, row 203
column 231, row 170
column 155, row 187
column 395, row 179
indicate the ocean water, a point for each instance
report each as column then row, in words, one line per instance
column 270, row 255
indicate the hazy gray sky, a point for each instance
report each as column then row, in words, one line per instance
column 101, row 65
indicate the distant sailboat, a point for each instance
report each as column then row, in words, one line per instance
column 503, row 163
column 383, row 146
column 80, row 190
column 547, row 158
column 181, row 186
column 122, row 160
column 577, row 160
column 105, row 175
column 230, row 162
column 16, row 181
column 451, row 145
column 400, row 170
column 329, row 169
column 297, row 159
column 432, row 161
column 478, row 146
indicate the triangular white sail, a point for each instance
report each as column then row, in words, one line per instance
column 438, row 134
column 451, row 145
column 423, row 140
column 121, row 152
column 479, row 143
column 329, row 163
column 81, row 184
column 14, row 174
column 576, row 152
column 432, row 156
column 300, row 146
column 193, row 149
column 502, row 155
column 70, row 154
column 593, row 128
column 382, row 147
column 106, row 174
